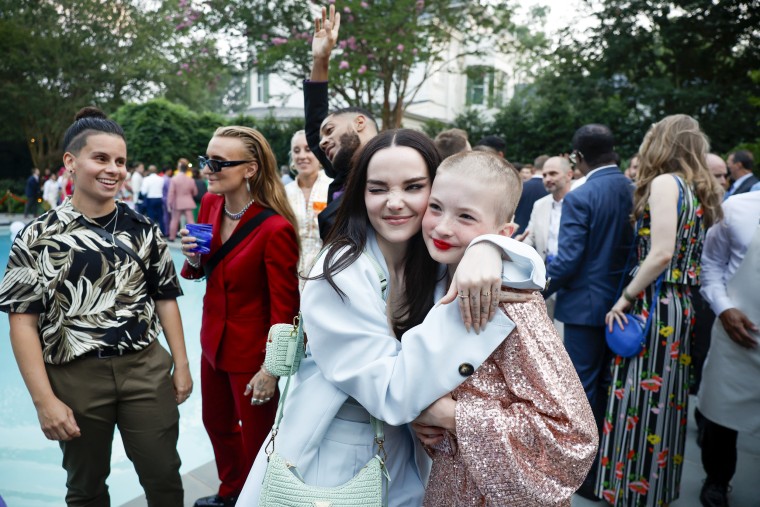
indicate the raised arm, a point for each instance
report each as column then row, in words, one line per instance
column 315, row 97
column 325, row 37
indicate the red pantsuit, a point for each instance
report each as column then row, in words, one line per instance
column 254, row 287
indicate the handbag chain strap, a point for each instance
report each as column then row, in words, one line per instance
column 377, row 424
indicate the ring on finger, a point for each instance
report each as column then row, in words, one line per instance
column 485, row 294
column 462, row 296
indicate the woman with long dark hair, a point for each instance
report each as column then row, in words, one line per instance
column 354, row 365
column 675, row 201
column 251, row 288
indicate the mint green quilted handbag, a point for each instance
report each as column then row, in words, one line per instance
column 283, row 486
column 285, row 348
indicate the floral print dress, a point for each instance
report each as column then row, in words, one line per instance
column 644, row 432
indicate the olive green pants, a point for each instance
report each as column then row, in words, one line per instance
column 135, row 393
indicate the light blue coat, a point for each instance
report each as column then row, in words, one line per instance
column 352, row 361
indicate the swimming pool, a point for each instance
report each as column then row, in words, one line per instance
column 30, row 465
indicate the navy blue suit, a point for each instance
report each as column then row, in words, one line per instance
column 595, row 238
column 533, row 190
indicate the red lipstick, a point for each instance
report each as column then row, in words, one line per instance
column 441, row 245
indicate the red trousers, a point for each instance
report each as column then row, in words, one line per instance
column 236, row 428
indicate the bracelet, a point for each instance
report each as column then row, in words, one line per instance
column 628, row 297
column 196, row 265
column 266, row 372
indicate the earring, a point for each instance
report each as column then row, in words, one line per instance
column 248, row 185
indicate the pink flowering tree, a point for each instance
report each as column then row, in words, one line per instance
column 386, row 50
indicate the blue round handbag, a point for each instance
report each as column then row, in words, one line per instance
column 629, row 341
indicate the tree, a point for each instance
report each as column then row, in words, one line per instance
column 642, row 61
column 63, row 55
column 387, row 49
column 160, row 132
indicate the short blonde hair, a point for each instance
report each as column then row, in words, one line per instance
column 493, row 170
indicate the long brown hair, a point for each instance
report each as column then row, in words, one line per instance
column 266, row 186
column 676, row 144
column 348, row 236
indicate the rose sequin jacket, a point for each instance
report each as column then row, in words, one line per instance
column 525, row 433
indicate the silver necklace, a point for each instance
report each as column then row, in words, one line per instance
column 239, row 214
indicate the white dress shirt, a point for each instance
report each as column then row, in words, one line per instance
column 153, row 186
column 725, row 246
column 555, row 216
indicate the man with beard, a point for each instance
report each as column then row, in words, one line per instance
column 333, row 138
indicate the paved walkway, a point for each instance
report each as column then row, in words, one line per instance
column 203, row 481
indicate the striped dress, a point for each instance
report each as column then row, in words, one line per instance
column 644, row 433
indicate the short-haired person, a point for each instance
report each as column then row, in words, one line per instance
column 85, row 316
column 523, row 411
column 180, row 200
column 542, row 232
column 334, row 137
column 496, row 143
column 675, row 201
column 595, row 237
column 369, row 350
column 452, row 141
column 32, row 193
column 728, row 397
column 253, row 287
column 740, row 165
column 533, row 190
column 539, row 162
column 633, row 168
column 152, row 188
column 718, row 169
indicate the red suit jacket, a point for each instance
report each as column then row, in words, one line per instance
column 255, row 286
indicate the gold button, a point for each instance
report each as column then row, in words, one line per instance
column 466, row 369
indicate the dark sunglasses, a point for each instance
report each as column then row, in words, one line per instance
column 217, row 165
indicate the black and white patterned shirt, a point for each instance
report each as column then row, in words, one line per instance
column 89, row 293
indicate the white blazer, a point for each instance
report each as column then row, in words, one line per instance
column 538, row 227
column 351, row 355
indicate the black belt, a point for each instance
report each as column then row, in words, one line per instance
column 109, row 352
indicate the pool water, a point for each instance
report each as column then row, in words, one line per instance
column 30, row 465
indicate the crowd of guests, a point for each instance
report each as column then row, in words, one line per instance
column 482, row 401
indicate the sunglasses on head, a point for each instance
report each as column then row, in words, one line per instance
column 574, row 156
column 217, row 165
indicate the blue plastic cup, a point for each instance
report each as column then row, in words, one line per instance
column 202, row 234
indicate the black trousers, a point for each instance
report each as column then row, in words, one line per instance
column 700, row 344
column 719, row 452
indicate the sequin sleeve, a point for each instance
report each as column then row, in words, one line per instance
column 524, row 427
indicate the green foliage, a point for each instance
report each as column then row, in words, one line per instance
column 645, row 60
column 160, row 132
column 380, row 42
column 60, row 56
column 433, row 127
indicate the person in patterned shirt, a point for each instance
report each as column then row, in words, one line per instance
column 88, row 288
